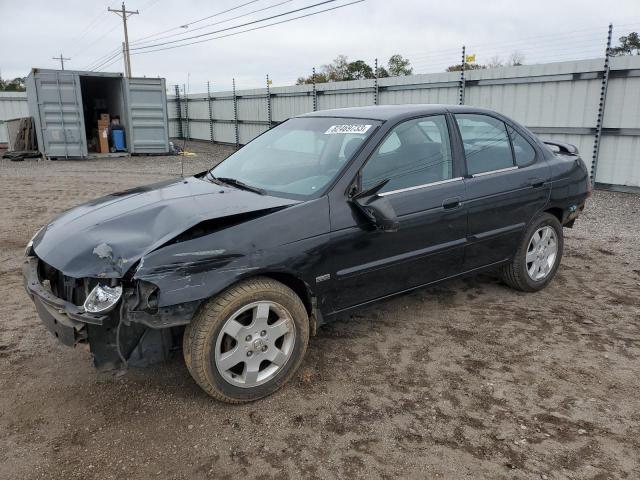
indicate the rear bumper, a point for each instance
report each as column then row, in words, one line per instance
column 66, row 321
column 570, row 214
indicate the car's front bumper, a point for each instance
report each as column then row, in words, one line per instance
column 66, row 321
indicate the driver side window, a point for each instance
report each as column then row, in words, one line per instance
column 414, row 153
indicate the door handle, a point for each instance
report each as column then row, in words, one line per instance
column 450, row 203
column 537, row 182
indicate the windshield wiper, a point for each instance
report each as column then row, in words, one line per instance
column 238, row 184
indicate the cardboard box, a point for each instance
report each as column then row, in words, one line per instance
column 103, row 137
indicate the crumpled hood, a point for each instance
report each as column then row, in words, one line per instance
column 104, row 237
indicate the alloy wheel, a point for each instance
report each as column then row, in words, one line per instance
column 254, row 344
column 541, row 253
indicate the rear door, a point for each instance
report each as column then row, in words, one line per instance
column 147, row 127
column 507, row 183
column 59, row 111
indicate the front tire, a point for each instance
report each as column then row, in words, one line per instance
column 248, row 341
column 538, row 256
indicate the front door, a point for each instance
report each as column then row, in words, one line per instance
column 427, row 195
column 506, row 185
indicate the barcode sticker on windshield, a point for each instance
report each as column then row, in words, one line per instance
column 337, row 129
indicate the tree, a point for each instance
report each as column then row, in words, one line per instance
column 628, row 44
column 399, row 66
column 15, row 85
column 337, row 70
column 495, row 62
column 342, row 69
column 359, row 70
column 319, row 78
column 515, row 59
column 382, row 72
column 467, row 66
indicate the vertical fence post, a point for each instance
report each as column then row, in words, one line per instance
column 375, row 83
column 315, row 93
column 269, row 114
column 210, row 112
column 601, row 104
column 462, row 82
column 178, row 113
column 186, row 112
column 235, row 113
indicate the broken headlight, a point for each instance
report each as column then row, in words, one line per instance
column 102, row 298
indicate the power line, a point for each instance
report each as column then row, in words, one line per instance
column 117, row 58
column 102, row 58
column 186, row 25
column 214, row 23
column 236, row 26
column 104, row 62
column 86, row 46
column 87, row 29
column 251, row 29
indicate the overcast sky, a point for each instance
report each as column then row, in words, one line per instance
column 429, row 33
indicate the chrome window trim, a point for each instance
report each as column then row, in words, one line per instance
column 490, row 172
column 424, row 185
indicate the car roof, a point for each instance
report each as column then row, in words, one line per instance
column 392, row 112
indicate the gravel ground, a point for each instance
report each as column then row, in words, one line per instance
column 466, row 380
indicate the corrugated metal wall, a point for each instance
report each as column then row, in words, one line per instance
column 12, row 105
column 558, row 101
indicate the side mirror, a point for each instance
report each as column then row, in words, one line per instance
column 381, row 213
column 378, row 210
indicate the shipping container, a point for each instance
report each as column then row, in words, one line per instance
column 74, row 112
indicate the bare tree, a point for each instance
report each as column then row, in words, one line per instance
column 516, row 58
column 495, row 62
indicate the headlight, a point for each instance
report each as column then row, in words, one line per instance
column 27, row 249
column 102, row 298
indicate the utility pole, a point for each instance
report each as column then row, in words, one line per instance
column 61, row 59
column 124, row 13
column 124, row 58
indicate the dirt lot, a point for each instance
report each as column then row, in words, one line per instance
column 466, row 380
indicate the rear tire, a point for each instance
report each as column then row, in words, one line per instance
column 538, row 256
column 248, row 341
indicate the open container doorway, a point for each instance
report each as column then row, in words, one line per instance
column 103, row 106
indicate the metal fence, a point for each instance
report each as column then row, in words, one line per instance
column 562, row 101
column 12, row 105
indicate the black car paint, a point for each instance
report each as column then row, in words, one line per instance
column 178, row 243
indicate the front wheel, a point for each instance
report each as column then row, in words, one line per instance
column 248, row 341
column 538, row 256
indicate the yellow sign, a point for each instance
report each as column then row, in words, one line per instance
column 471, row 58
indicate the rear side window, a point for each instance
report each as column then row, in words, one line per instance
column 525, row 154
column 486, row 143
column 416, row 152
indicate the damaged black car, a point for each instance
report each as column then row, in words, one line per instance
column 324, row 213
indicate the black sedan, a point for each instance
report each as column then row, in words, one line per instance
column 327, row 212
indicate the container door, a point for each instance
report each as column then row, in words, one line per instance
column 146, row 104
column 59, row 104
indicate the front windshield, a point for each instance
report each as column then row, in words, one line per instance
column 299, row 157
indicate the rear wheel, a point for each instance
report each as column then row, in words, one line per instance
column 538, row 256
column 247, row 342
